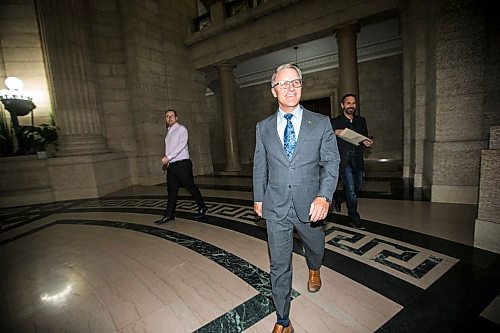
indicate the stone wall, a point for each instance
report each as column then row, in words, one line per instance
column 144, row 69
column 21, row 56
column 111, row 70
column 254, row 103
column 381, row 102
column 186, row 87
column 25, row 180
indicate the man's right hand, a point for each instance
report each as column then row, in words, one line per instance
column 257, row 208
column 164, row 160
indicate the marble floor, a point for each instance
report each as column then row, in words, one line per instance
column 102, row 265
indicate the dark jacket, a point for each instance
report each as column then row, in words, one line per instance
column 347, row 149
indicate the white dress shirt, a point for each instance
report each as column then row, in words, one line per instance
column 296, row 121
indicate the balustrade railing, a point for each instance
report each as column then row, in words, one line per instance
column 231, row 7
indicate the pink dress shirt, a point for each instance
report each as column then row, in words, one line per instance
column 176, row 143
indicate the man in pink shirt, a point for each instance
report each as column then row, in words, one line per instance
column 179, row 168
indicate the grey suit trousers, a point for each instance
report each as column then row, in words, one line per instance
column 280, row 241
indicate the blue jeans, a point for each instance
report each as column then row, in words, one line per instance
column 352, row 178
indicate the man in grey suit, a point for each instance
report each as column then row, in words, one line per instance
column 295, row 172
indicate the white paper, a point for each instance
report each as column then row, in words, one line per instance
column 352, row 137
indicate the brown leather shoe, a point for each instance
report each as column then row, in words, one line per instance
column 280, row 329
column 314, row 283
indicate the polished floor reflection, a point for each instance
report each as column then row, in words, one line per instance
column 102, row 265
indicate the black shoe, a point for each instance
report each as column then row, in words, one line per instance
column 165, row 219
column 337, row 204
column 201, row 212
column 357, row 224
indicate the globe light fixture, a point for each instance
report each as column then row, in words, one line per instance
column 14, row 100
column 14, row 83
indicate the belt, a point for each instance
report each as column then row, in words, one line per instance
column 171, row 163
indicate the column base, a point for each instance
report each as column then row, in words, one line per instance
column 229, row 173
column 232, row 168
column 487, row 235
column 245, row 171
column 88, row 176
column 74, row 145
column 454, row 194
column 29, row 180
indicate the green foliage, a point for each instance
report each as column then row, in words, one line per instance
column 22, row 140
column 34, row 138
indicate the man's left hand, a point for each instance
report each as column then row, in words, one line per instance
column 368, row 143
column 319, row 209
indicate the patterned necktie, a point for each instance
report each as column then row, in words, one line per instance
column 289, row 140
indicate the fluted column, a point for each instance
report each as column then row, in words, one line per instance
column 229, row 116
column 348, row 59
column 68, row 56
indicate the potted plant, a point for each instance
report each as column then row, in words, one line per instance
column 36, row 138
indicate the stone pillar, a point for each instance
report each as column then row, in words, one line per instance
column 68, row 56
column 218, row 12
column 229, row 117
column 348, row 59
column 408, row 66
column 487, row 228
column 454, row 134
column 414, row 34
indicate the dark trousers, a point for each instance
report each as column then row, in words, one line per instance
column 352, row 178
column 179, row 174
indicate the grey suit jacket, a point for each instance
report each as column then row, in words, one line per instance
column 312, row 171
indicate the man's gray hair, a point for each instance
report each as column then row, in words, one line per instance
column 280, row 67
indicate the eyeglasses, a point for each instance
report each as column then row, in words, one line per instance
column 285, row 84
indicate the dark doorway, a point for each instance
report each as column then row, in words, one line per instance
column 319, row 105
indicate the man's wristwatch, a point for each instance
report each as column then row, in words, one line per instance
column 326, row 199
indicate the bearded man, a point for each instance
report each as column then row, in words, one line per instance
column 351, row 158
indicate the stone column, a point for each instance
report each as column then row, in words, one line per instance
column 416, row 47
column 229, row 117
column 348, row 59
column 218, row 12
column 487, row 228
column 68, row 56
column 455, row 85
